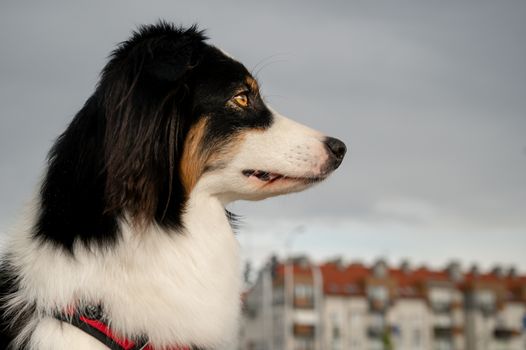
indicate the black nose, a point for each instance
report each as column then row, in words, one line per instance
column 336, row 149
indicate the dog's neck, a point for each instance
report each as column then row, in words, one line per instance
column 174, row 287
column 196, row 275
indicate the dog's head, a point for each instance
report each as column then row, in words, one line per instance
column 184, row 115
column 173, row 115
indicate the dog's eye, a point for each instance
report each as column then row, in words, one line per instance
column 241, row 99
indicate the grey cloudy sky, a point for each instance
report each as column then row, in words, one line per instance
column 429, row 96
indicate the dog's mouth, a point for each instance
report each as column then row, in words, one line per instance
column 270, row 177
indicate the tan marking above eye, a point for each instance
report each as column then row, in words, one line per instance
column 252, row 84
column 241, row 99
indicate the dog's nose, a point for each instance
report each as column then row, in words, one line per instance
column 336, row 149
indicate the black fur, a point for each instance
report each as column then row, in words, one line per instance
column 114, row 154
column 12, row 320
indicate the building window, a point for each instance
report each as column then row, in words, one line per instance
column 417, row 338
column 334, row 288
column 356, row 330
column 441, row 299
column 502, row 345
column 303, row 344
column 351, row 288
column 377, row 293
column 278, row 296
column 303, row 295
column 303, row 291
column 336, row 337
column 443, row 344
column 377, row 326
column 335, row 331
column 304, row 331
column 378, row 297
column 485, row 301
column 355, row 344
column 304, row 337
column 376, row 344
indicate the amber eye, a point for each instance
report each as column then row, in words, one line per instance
column 241, row 99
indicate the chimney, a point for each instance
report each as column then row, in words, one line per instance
column 380, row 269
column 405, row 267
column 475, row 270
column 338, row 261
column 454, row 272
column 498, row 271
column 273, row 263
column 301, row 260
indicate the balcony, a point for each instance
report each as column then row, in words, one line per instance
column 487, row 309
column 443, row 332
column 447, row 333
column 305, row 316
column 278, row 296
column 443, row 344
column 377, row 326
column 250, row 309
column 505, row 333
column 441, row 307
column 303, row 296
column 378, row 305
column 483, row 301
column 304, row 330
column 378, row 298
column 304, row 303
column 375, row 332
column 442, row 320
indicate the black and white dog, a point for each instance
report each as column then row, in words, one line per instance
column 128, row 244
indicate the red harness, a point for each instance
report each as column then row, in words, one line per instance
column 92, row 322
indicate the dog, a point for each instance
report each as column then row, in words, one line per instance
column 128, row 244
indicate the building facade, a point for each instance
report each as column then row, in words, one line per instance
column 297, row 305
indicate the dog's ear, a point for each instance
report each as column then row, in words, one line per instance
column 146, row 107
column 170, row 61
column 172, row 54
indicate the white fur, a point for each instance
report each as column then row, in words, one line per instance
column 51, row 334
column 176, row 287
column 287, row 148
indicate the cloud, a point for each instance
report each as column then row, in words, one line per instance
column 406, row 209
column 429, row 98
column 364, row 240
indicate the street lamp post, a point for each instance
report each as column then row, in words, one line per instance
column 288, row 289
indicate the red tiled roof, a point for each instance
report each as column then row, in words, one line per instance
column 350, row 279
column 298, row 269
column 338, row 280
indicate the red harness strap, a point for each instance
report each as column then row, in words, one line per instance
column 125, row 344
column 97, row 328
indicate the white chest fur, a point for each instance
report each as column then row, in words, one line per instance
column 176, row 287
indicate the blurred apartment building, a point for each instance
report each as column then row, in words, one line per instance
column 296, row 305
